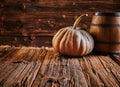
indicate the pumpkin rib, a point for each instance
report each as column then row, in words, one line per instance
column 62, row 43
column 92, row 43
column 75, row 46
column 68, row 44
column 88, row 46
column 58, row 38
column 72, row 43
column 90, row 39
column 87, row 41
column 79, row 41
column 77, row 35
column 56, row 35
column 83, row 43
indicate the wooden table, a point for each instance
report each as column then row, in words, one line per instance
column 42, row 67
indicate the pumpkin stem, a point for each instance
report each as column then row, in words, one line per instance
column 78, row 20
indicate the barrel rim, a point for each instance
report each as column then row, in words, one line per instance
column 107, row 13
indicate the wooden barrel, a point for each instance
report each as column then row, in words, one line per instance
column 105, row 29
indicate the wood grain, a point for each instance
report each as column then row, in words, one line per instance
column 45, row 18
column 43, row 67
column 26, row 41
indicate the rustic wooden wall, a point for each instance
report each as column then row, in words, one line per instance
column 34, row 22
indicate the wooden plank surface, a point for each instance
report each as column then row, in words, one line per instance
column 26, row 41
column 27, row 18
column 43, row 67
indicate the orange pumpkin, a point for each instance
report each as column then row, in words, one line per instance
column 73, row 40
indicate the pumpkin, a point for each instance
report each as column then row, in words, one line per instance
column 73, row 40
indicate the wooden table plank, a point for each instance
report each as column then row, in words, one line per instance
column 43, row 67
column 116, row 58
column 90, row 73
column 6, row 72
column 103, row 70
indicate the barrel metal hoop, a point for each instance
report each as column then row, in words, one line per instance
column 103, row 42
column 118, row 53
column 107, row 14
column 106, row 25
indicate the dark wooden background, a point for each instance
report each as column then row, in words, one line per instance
column 34, row 22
